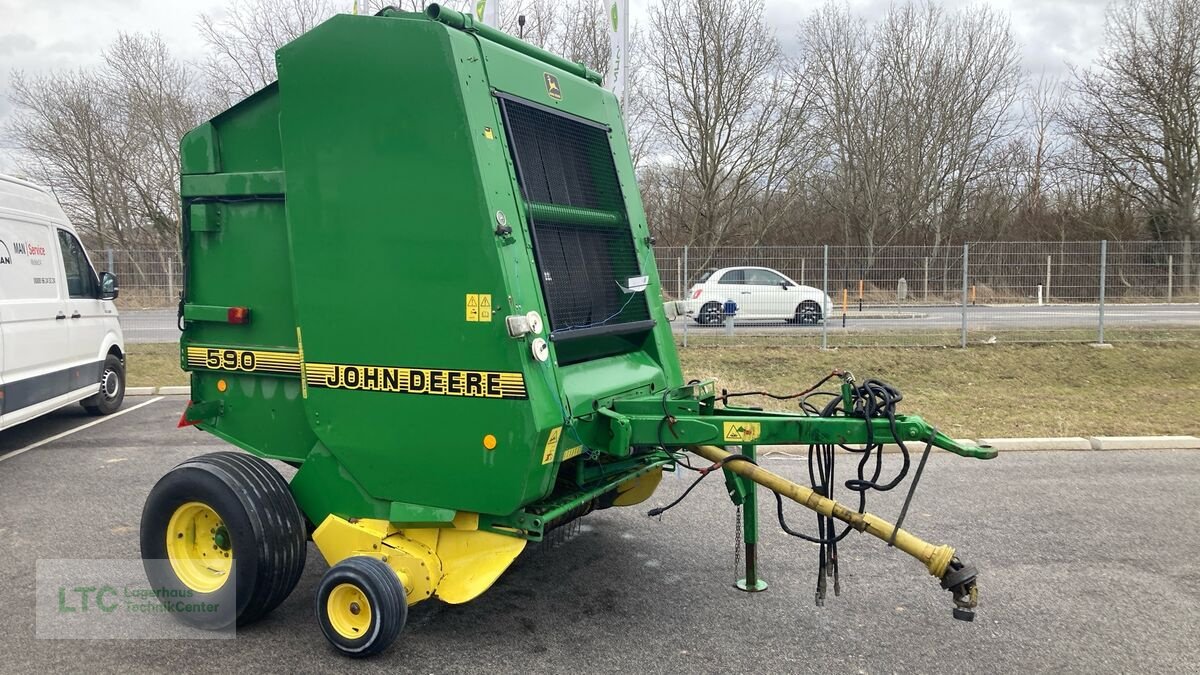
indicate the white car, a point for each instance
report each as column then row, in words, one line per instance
column 60, row 341
column 758, row 294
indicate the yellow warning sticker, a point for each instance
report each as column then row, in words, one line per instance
column 487, row 133
column 479, row 307
column 742, row 432
column 551, row 445
column 572, row 453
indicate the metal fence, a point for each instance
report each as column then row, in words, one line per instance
column 950, row 295
column 899, row 295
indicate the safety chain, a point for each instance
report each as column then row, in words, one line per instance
column 737, row 542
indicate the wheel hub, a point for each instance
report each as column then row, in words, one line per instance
column 349, row 611
column 199, row 547
column 110, row 384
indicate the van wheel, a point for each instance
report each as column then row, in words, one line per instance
column 112, row 388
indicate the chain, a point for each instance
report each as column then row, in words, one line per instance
column 737, row 542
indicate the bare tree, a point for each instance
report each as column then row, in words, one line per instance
column 1137, row 113
column 106, row 140
column 917, row 111
column 242, row 41
column 726, row 111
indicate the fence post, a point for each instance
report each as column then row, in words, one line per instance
column 963, row 339
column 801, row 270
column 1170, row 276
column 109, row 255
column 825, row 292
column 1103, row 274
column 686, row 319
column 1048, row 258
column 685, row 264
column 170, row 276
column 925, row 286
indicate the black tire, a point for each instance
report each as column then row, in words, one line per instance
column 372, row 581
column 808, row 313
column 112, row 388
column 263, row 527
column 709, row 314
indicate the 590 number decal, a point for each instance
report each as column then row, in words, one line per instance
column 244, row 360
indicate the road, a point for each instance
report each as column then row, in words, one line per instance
column 158, row 325
column 1086, row 567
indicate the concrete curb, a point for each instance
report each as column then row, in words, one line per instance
column 139, row 391
column 1145, row 442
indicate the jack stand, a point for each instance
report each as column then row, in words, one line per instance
column 751, row 583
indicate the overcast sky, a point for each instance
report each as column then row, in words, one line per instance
column 37, row 36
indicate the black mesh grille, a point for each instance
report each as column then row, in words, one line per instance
column 561, row 160
column 585, row 251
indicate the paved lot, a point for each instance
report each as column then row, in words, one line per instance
column 1089, row 564
column 158, row 325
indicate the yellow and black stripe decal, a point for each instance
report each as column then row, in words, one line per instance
column 244, row 360
column 400, row 380
column 434, row 381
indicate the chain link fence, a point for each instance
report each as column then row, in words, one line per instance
column 940, row 296
column 854, row 296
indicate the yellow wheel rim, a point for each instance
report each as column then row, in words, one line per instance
column 199, row 547
column 349, row 611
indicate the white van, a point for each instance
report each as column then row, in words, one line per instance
column 60, row 341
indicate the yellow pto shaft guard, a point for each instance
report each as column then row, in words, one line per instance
column 959, row 579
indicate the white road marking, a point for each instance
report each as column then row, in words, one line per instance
column 68, row 432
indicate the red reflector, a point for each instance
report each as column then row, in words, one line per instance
column 238, row 315
column 697, row 293
column 183, row 420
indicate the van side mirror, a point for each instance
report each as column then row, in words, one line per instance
column 109, row 289
column 785, row 285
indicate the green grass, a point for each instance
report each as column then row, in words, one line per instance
column 984, row 391
column 152, row 365
column 992, row 391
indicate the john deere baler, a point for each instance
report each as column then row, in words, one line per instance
column 418, row 271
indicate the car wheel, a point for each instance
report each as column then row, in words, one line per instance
column 112, row 388
column 807, row 313
column 709, row 314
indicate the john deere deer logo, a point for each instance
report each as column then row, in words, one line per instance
column 552, row 87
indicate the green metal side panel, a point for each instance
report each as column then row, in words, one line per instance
column 352, row 207
column 391, row 226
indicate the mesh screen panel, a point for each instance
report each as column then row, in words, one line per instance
column 583, row 260
column 561, row 160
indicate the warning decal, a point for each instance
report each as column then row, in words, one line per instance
column 479, row 307
column 742, row 432
column 551, row 445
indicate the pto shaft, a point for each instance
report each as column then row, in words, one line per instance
column 939, row 560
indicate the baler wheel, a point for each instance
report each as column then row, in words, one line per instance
column 218, row 514
column 361, row 606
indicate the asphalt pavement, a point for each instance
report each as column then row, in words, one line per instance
column 159, row 325
column 1088, row 562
